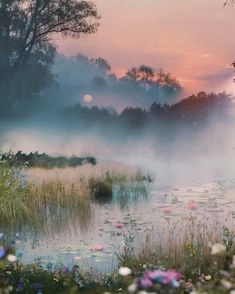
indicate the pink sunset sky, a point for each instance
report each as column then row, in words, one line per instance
column 192, row 39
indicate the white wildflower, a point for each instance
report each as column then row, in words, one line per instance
column 124, row 271
column 226, row 284
column 217, row 249
column 132, row 288
column 11, row 258
column 208, row 277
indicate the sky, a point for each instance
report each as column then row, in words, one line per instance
column 192, row 39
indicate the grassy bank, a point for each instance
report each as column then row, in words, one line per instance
column 136, row 274
column 36, row 196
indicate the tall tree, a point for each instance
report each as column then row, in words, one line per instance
column 27, row 28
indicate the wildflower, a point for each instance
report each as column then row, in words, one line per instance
column 208, row 277
column 11, row 258
column 125, row 271
column 132, row 288
column 217, row 249
column 145, row 282
column 226, row 284
column 2, row 252
column 165, row 277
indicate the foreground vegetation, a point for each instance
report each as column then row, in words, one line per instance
column 187, row 263
column 134, row 275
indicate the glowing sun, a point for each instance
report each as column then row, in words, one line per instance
column 87, row 98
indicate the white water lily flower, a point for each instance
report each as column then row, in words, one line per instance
column 217, row 249
column 124, row 271
column 232, row 292
column 11, row 258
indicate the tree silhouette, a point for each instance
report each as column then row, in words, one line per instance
column 27, row 28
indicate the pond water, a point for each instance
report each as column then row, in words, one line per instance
column 92, row 239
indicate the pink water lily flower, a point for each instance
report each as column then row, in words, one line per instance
column 166, row 210
column 98, row 247
column 118, row 225
column 192, row 205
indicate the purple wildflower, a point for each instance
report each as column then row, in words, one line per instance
column 3, row 252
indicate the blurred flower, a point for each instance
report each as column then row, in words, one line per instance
column 217, row 249
column 11, row 258
column 2, row 252
column 132, row 288
column 226, row 284
column 145, row 283
column 118, row 225
column 124, row 271
column 192, row 205
column 208, row 277
column 98, row 247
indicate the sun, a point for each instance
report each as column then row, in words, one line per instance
column 87, row 98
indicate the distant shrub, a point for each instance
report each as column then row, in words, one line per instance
column 43, row 160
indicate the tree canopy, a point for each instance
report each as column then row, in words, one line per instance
column 27, row 49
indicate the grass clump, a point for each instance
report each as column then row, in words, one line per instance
column 13, row 203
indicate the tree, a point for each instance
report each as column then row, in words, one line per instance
column 148, row 77
column 101, row 65
column 167, row 80
column 143, row 73
column 27, row 28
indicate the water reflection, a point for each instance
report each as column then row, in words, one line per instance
column 156, row 215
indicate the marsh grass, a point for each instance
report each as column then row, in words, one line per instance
column 61, row 197
column 184, row 246
column 13, row 198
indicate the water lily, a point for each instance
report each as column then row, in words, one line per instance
column 217, row 249
column 125, row 271
column 118, row 225
column 98, row 247
column 166, row 210
column 192, row 205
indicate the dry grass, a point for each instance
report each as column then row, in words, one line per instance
column 73, row 175
column 183, row 245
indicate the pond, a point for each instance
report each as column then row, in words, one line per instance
column 92, row 238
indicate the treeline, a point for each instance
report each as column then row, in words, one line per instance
column 195, row 110
column 139, row 86
column 43, row 160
